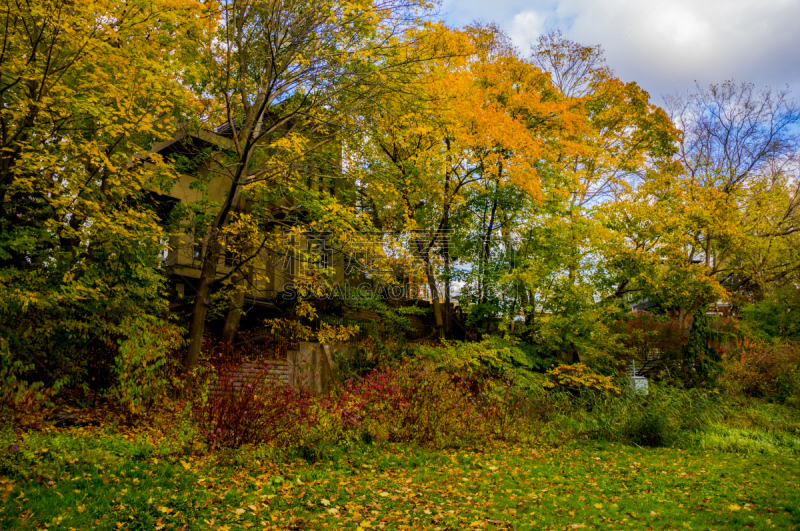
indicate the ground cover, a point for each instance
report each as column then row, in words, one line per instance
column 94, row 478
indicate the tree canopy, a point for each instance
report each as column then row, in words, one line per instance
column 543, row 193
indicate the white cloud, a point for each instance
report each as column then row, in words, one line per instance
column 526, row 24
column 664, row 45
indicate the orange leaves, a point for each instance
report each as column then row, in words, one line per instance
column 493, row 110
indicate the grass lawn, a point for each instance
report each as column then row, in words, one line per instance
column 84, row 479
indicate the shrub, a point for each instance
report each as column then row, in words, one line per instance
column 512, row 413
column 775, row 317
column 404, row 405
column 362, row 361
column 765, row 370
column 142, row 365
column 702, row 361
column 578, row 378
column 232, row 412
column 493, row 357
column 422, row 405
column 19, row 399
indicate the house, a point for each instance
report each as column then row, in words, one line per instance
column 272, row 268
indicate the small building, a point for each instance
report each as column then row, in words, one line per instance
column 270, row 270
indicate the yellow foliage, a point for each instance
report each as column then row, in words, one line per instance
column 578, row 377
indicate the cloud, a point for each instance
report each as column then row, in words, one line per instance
column 664, row 45
column 525, row 24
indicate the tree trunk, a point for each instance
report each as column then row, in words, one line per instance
column 234, row 314
column 201, row 299
column 487, row 248
column 529, row 311
column 572, row 267
column 437, row 307
column 208, row 274
column 446, row 252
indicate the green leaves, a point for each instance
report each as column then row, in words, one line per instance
column 79, row 239
column 142, row 364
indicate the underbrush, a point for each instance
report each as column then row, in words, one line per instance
column 429, row 403
column 765, row 370
column 231, row 412
column 424, row 404
column 410, row 403
column 664, row 417
column 688, row 419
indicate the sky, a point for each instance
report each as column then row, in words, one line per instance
column 663, row 45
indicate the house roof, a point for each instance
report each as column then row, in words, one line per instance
column 188, row 142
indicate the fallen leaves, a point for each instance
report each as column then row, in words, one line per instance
column 399, row 487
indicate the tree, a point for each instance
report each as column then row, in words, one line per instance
column 568, row 271
column 573, row 67
column 477, row 120
column 284, row 76
column 85, row 88
column 731, row 213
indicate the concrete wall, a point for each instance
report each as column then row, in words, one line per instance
column 313, row 366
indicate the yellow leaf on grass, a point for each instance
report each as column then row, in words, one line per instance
column 238, row 511
column 734, row 507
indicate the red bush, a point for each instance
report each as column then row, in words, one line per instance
column 234, row 412
column 427, row 407
column 405, row 404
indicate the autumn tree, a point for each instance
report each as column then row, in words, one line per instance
column 739, row 149
column 478, row 120
column 85, row 88
column 572, row 67
column 725, row 220
column 283, row 76
column 566, row 266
